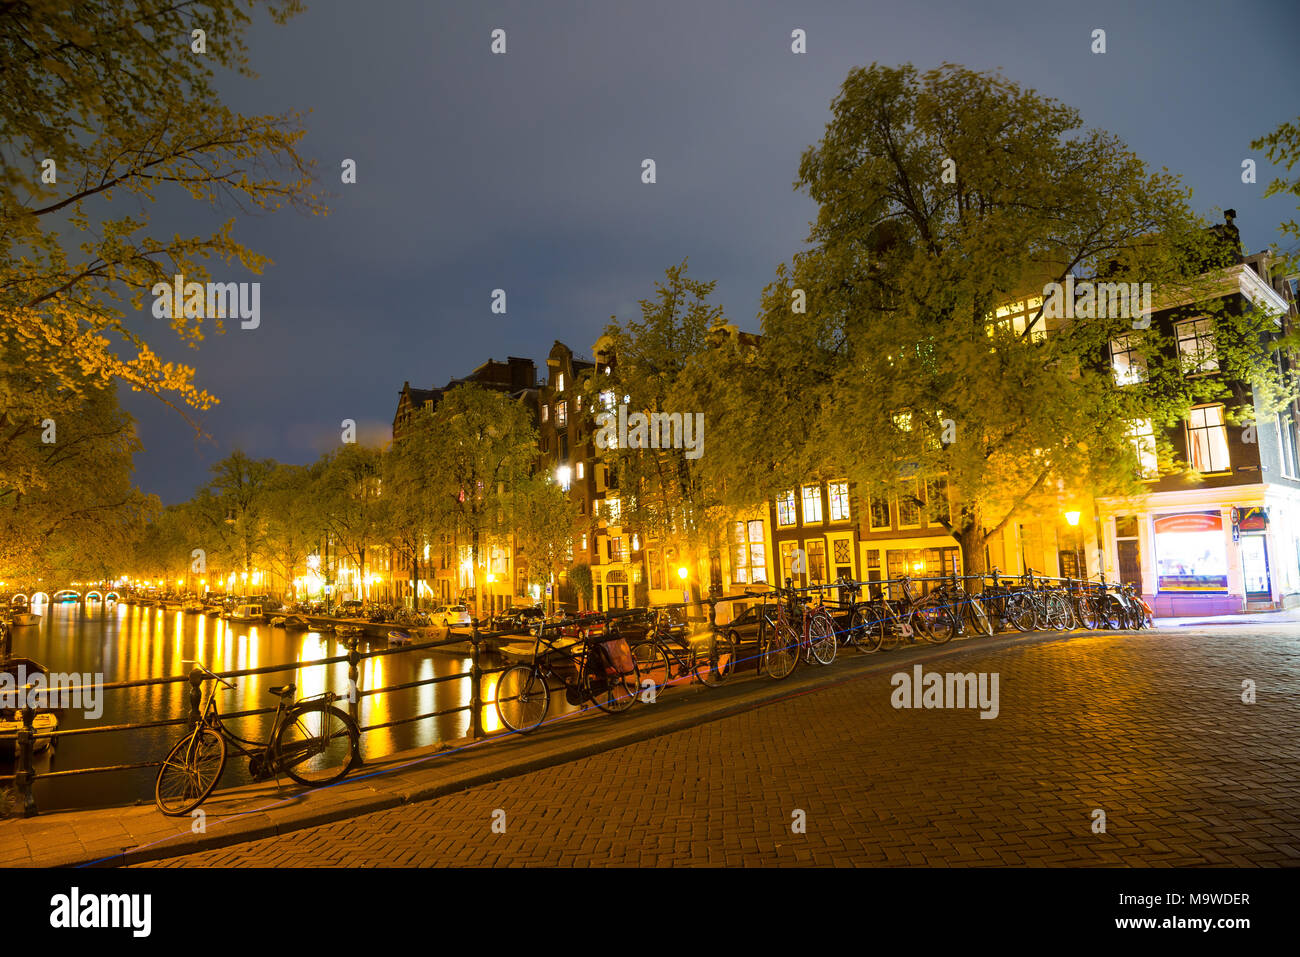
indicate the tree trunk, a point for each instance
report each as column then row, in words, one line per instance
column 971, row 538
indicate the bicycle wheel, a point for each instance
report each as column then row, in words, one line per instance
column 1057, row 611
column 1020, row 612
column 977, row 617
column 522, row 698
column 822, row 637
column 190, row 771
column 613, row 695
column 1087, row 613
column 935, row 621
column 717, row 659
column 317, row 744
column 781, row 652
column 865, row 630
column 652, row 663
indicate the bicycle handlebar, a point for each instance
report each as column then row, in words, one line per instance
column 200, row 666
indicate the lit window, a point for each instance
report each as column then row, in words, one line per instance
column 1196, row 346
column 1143, row 437
column 584, row 541
column 616, row 549
column 785, row 509
column 812, row 504
column 1207, row 439
column 748, row 555
column 562, row 475
column 581, row 470
column 1129, row 365
column 613, row 509
column 839, row 498
column 561, row 415
column 546, row 410
column 607, row 400
column 559, row 382
column 1287, row 445
column 577, row 403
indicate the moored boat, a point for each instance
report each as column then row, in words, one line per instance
column 399, row 636
column 246, row 613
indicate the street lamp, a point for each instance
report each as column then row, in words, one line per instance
column 1072, row 519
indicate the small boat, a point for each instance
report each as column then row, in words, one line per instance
column 43, row 722
column 246, row 613
column 193, row 607
column 399, row 637
column 11, row 719
column 349, row 631
column 26, row 618
column 296, row 623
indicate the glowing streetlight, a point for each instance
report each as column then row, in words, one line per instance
column 1072, row 518
column 683, row 573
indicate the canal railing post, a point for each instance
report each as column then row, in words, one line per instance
column 476, row 687
column 354, row 699
column 196, row 697
column 24, row 772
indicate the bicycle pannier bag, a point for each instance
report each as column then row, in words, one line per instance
column 613, row 658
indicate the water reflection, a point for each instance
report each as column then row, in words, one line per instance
column 126, row 642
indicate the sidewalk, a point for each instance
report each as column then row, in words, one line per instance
column 137, row 833
column 1281, row 617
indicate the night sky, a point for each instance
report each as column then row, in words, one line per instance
column 523, row 172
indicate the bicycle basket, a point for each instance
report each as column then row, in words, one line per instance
column 611, row 658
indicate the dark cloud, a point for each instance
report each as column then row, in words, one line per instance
column 523, row 172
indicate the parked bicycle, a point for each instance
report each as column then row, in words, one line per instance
column 311, row 741
column 904, row 618
column 666, row 653
column 596, row 668
column 792, row 628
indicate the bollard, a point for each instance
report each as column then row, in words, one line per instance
column 476, row 689
column 354, row 699
column 196, row 697
column 24, row 772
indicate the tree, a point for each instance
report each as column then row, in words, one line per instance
column 348, row 496
column 486, row 444
column 107, row 100
column 942, row 197
column 233, row 510
column 668, row 495
column 1283, row 146
column 69, row 509
column 293, row 521
column 542, row 516
column 411, row 514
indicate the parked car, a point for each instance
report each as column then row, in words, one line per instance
column 452, row 616
column 518, row 620
column 352, row 608
column 743, row 629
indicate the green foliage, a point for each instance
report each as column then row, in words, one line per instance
column 580, row 579
column 906, row 268
column 661, row 361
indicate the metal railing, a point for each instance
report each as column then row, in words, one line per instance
column 25, row 774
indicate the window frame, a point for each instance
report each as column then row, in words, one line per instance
column 1196, row 363
column 787, row 499
column 847, row 513
column 816, row 499
column 1191, row 431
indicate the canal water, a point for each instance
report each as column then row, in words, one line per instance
column 126, row 642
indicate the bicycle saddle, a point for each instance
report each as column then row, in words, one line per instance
column 284, row 691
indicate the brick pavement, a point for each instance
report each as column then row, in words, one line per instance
column 1149, row 728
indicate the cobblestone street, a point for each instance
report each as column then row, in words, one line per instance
column 1149, row 728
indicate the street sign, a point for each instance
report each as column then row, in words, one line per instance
column 1236, row 515
column 1236, row 533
